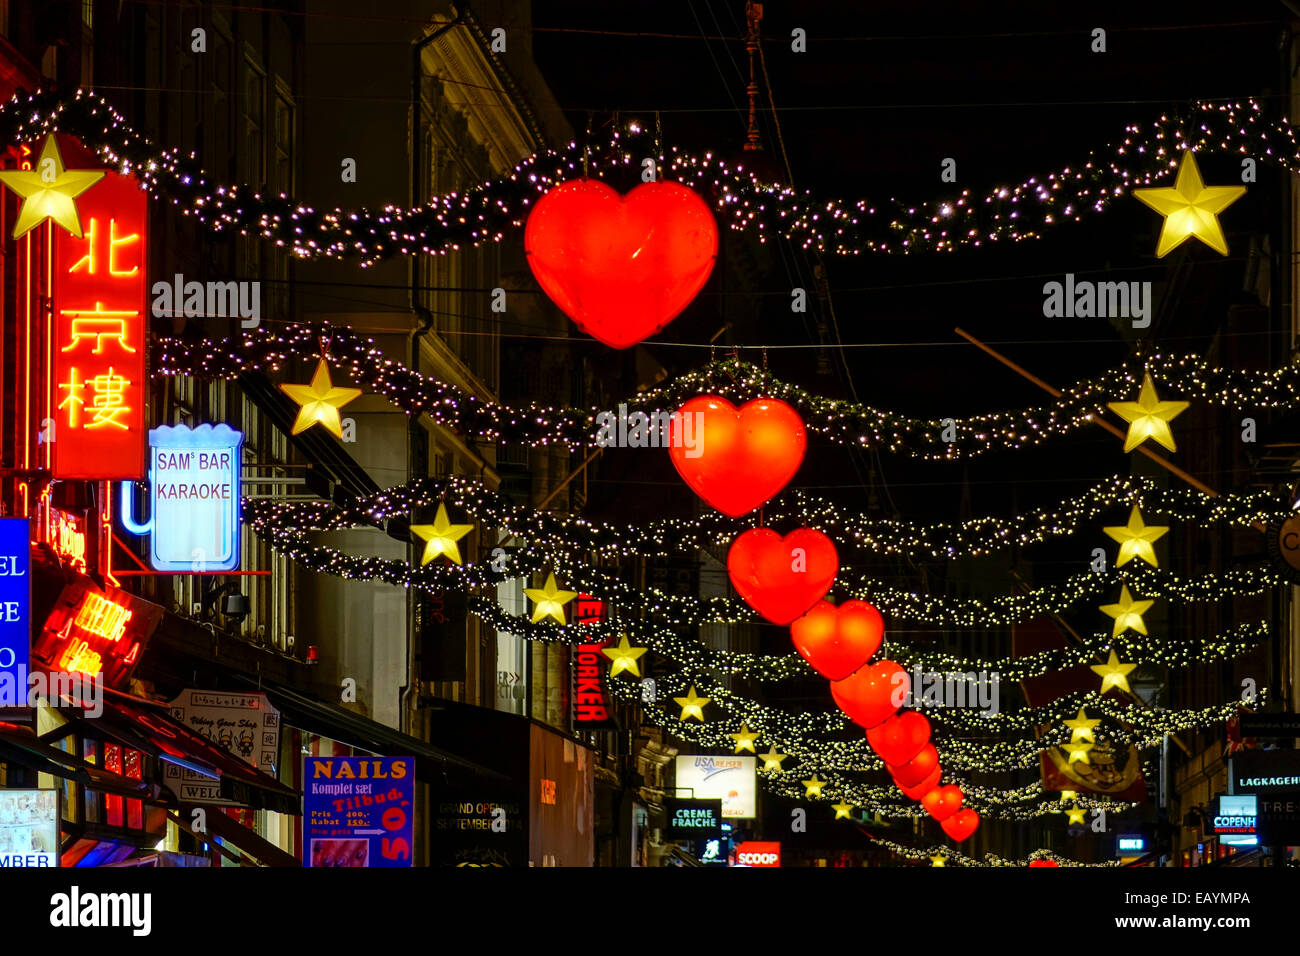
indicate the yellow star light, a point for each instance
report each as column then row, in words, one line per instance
column 842, row 811
column 549, row 601
column 937, row 860
column 1148, row 417
column 624, row 657
column 1135, row 539
column 1078, row 751
column 1113, row 673
column 1068, row 795
column 1127, row 613
column 441, row 537
column 1081, row 728
column 813, row 787
column 772, row 759
column 49, row 191
column 1190, row 208
column 320, row 401
column 744, row 739
column 1076, row 815
column 691, row 705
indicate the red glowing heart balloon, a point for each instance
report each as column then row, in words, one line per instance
column 836, row 641
column 961, row 824
column 942, row 802
column 900, row 738
column 622, row 267
column 917, row 769
column 872, row 694
column 738, row 458
column 782, row 577
column 925, row 786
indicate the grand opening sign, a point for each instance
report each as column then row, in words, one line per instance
column 193, row 498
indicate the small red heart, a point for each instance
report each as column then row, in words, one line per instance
column 942, row 802
column 836, row 641
column 782, row 577
column 872, row 694
column 917, row 769
column 900, row 738
column 738, row 458
column 961, row 824
column 925, row 786
column 1043, row 863
column 622, row 267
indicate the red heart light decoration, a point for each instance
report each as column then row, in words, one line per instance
column 872, row 694
column 961, row 824
column 917, row 769
column 1043, row 863
column 738, row 458
column 942, row 802
column 924, row 787
column 900, row 738
column 622, row 267
column 836, row 641
column 782, row 577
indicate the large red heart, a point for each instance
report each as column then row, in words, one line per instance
column 872, row 694
column 1043, row 863
column 917, row 769
column 836, row 641
column 961, row 824
column 942, row 802
column 900, row 738
column 924, row 787
column 622, row 267
column 739, row 458
column 781, row 578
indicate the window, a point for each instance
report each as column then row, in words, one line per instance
column 254, row 106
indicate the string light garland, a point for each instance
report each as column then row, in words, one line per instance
column 1146, row 156
column 951, row 856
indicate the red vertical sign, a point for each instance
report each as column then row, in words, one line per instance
column 100, row 308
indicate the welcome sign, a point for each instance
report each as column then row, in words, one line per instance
column 193, row 497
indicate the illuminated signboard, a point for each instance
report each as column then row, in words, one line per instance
column 93, row 633
column 733, row 780
column 693, row 819
column 358, row 811
column 15, row 598
column 591, row 704
column 758, row 853
column 29, row 828
column 1131, row 844
column 193, row 498
column 68, row 538
column 99, row 385
column 1237, row 821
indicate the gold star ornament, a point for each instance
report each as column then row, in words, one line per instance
column 691, row 705
column 1135, row 539
column 440, row 537
column 49, row 191
column 319, row 402
column 1081, row 728
column 744, row 739
column 843, row 811
column 1127, row 613
column 1068, row 795
column 937, row 860
column 1190, row 208
column 1078, row 752
column 549, row 601
column 624, row 657
column 1113, row 674
column 813, row 787
column 1076, row 815
column 1148, row 417
column 772, row 759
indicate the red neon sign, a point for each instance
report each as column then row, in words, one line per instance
column 592, row 707
column 93, row 633
column 100, row 319
column 67, row 536
column 758, row 853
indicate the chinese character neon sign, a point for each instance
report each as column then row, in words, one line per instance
column 99, row 385
column 89, row 632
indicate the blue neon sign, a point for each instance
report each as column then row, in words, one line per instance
column 15, row 598
column 194, row 514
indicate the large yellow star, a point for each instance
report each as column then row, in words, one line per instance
column 49, row 191
column 1127, row 613
column 1078, row 751
column 549, row 600
column 1190, row 208
column 1148, row 417
column 744, row 739
column 843, row 811
column 1076, row 815
column 1068, row 795
column 937, row 860
column 1081, row 728
column 624, row 657
column 1113, row 673
column 1135, row 539
column 691, row 705
column 813, row 787
column 772, row 759
column 320, row 401
column 441, row 537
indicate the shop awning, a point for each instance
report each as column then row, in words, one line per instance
column 24, row 749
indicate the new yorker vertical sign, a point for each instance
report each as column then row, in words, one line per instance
column 15, row 599
column 98, row 349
